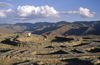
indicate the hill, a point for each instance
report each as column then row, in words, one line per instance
column 5, row 30
column 62, row 27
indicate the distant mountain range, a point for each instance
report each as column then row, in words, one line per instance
column 62, row 27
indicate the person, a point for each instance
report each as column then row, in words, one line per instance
column 66, row 35
column 17, row 36
column 45, row 37
column 52, row 34
column 28, row 34
column 57, row 34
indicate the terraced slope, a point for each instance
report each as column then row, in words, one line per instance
column 74, row 48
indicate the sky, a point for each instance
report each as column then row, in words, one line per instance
column 32, row 11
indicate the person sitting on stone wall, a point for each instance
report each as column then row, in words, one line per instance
column 28, row 34
column 45, row 37
column 66, row 36
column 17, row 36
column 52, row 35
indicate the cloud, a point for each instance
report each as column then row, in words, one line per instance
column 25, row 13
column 7, row 13
column 84, row 12
column 43, row 11
column 2, row 15
column 3, row 5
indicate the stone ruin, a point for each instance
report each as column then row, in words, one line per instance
column 60, row 48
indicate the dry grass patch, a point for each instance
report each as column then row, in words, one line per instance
column 54, row 61
column 88, row 57
column 9, row 61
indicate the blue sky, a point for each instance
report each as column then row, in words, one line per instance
column 12, row 11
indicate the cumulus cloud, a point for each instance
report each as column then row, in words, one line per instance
column 3, row 5
column 7, row 13
column 2, row 15
column 24, row 13
column 29, row 13
column 43, row 11
column 84, row 12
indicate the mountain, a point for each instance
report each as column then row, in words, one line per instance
column 94, row 24
column 62, row 27
column 5, row 30
column 62, row 23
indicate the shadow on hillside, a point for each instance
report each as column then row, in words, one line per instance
column 57, row 52
column 7, row 41
column 62, row 39
column 51, row 28
column 75, row 61
column 24, row 63
column 76, row 31
column 33, row 27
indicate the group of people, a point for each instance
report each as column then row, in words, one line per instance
column 28, row 35
column 45, row 36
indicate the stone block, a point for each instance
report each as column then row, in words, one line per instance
column 24, row 58
column 14, row 57
column 60, row 58
column 34, row 58
column 8, row 57
column 95, row 61
column 39, row 62
column 18, row 58
column 3, row 56
column 29, row 58
column 34, row 52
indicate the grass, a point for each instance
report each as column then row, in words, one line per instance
column 9, row 61
column 89, row 57
column 54, row 61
